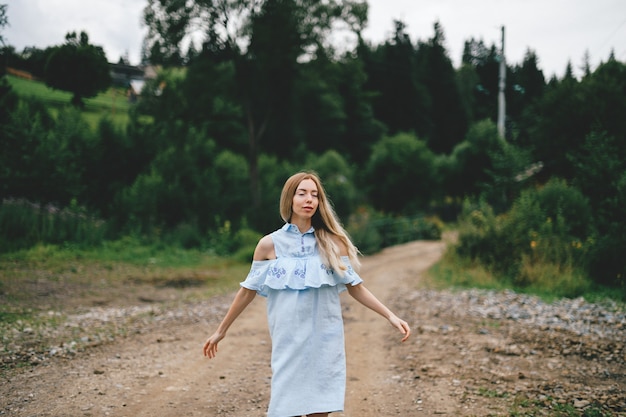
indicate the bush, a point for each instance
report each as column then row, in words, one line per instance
column 225, row 241
column 555, row 279
column 272, row 176
column 373, row 231
column 401, row 174
column 22, row 160
column 543, row 241
column 185, row 235
column 367, row 239
column 245, row 241
column 511, row 169
column 601, row 175
column 551, row 224
column 482, row 239
column 24, row 224
column 338, row 180
column 468, row 167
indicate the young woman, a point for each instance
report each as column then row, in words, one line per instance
column 301, row 269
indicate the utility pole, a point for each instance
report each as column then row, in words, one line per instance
column 501, row 87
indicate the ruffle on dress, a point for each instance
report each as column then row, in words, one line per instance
column 297, row 274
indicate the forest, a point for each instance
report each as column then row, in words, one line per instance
column 407, row 145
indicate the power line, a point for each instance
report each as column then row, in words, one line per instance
column 608, row 39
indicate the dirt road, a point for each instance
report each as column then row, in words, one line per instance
column 456, row 363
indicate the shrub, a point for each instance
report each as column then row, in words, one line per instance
column 543, row 241
column 24, row 224
column 231, row 185
column 551, row 224
column 244, row 242
column 373, row 231
column 481, row 237
column 511, row 168
column 556, row 279
column 226, row 241
column 185, row 235
column 337, row 177
column 367, row 239
column 467, row 168
column 401, row 174
column 601, row 175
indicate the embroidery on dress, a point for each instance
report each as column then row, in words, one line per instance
column 254, row 273
column 327, row 269
column 276, row 272
column 300, row 272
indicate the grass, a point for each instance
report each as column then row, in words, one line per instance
column 114, row 264
column 111, row 103
column 490, row 393
column 457, row 272
column 453, row 271
column 524, row 407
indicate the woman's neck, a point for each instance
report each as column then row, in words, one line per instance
column 303, row 224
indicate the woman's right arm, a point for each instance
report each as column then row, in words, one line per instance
column 243, row 297
column 264, row 250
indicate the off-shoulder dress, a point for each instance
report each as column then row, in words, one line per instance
column 305, row 323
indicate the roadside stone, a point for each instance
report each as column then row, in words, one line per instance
column 581, row 403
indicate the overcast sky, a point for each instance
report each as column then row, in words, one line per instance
column 557, row 30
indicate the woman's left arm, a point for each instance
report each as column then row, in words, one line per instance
column 364, row 296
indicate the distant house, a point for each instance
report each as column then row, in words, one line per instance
column 122, row 74
column 131, row 77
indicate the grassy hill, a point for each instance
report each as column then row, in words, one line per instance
column 112, row 103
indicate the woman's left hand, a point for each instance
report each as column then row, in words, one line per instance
column 401, row 325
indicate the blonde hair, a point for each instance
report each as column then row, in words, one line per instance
column 325, row 222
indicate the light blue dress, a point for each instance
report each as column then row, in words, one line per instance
column 305, row 322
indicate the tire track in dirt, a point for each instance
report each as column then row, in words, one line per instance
column 373, row 347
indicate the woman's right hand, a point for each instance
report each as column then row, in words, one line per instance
column 242, row 299
column 210, row 346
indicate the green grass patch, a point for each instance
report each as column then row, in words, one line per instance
column 526, row 407
column 491, row 393
column 456, row 272
column 62, row 277
column 549, row 282
column 13, row 317
column 111, row 103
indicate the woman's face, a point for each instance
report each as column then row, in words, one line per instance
column 305, row 200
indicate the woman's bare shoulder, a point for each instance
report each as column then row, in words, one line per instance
column 264, row 249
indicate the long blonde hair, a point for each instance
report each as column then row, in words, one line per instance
column 325, row 222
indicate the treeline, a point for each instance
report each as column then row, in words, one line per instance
column 394, row 129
